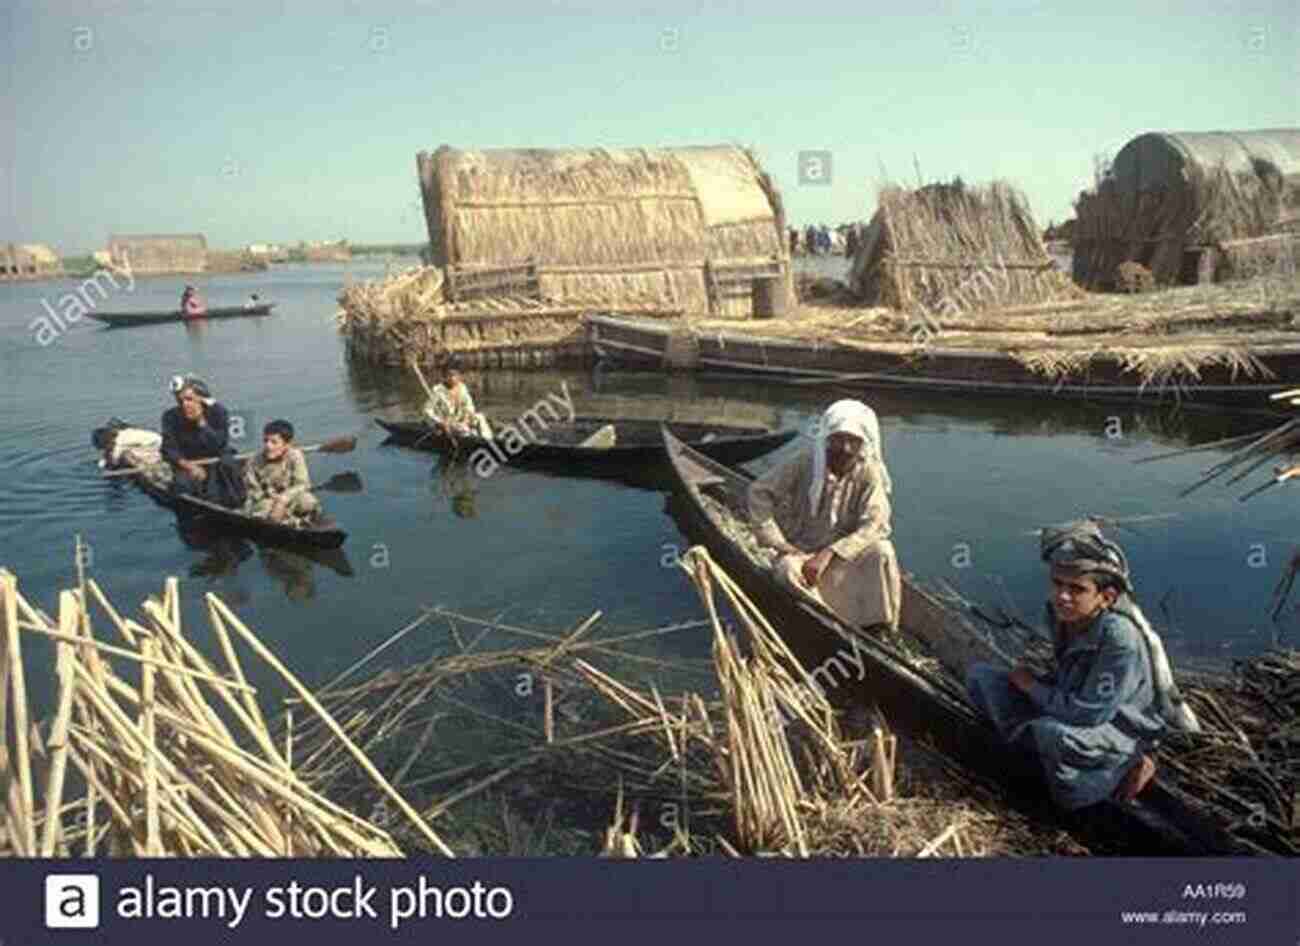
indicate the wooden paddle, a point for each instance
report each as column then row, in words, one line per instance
column 1279, row 477
column 337, row 445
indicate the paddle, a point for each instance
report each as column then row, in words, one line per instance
column 1278, row 478
column 337, row 445
column 347, row 482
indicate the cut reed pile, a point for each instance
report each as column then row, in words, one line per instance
column 180, row 764
column 764, row 766
column 948, row 248
column 387, row 321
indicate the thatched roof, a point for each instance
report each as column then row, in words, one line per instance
column 1170, row 194
column 948, row 248
column 682, row 226
column 160, row 253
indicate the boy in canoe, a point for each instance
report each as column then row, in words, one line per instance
column 826, row 512
column 278, row 485
column 452, row 409
column 1093, row 720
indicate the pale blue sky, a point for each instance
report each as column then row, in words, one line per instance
column 283, row 120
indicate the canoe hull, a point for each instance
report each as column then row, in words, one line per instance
column 638, row 456
column 129, row 319
column 916, row 701
column 228, row 520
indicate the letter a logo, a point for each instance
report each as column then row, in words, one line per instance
column 72, row 902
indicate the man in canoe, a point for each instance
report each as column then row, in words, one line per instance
column 1093, row 720
column 451, row 407
column 197, row 430
column 827, row 513
column 276, row 480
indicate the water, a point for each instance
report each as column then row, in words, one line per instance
column 972, row 478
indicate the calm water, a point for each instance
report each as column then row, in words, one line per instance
column 972, row 480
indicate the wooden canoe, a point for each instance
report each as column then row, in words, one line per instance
column 230, row 520
column 638, row 446
column 916, row 699
column 128, row 319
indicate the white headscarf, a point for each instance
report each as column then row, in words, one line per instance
column 849, row 417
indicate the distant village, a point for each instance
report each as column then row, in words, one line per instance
column 165, row 254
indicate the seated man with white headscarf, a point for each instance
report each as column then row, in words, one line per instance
column 1092, row 721
column 827, row 512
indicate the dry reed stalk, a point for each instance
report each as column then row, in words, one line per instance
column 306, row 695
column 17, row 681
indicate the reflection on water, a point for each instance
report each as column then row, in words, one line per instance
column 455, row 482
column 293, row 570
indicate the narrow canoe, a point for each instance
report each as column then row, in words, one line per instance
column 128, row 319
column 638, row 445
column 915, row 699
column 230, row 520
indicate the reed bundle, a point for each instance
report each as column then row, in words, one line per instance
column 946, row 248
column 1162, row 367
column 180, row 764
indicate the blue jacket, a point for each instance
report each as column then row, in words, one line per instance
column 1102, row 675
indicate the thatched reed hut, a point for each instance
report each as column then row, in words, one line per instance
column 159, row 254
column 1192, row 207
column 943, row 249
column 28, row 261
column 696, row 229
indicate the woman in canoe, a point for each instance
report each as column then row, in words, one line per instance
column 192, row 306
column 826, row 512
column 452, row 409
column 1093, row 720
column 198, row 429
column 277, row 482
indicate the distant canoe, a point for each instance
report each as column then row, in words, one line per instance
column 633, row 440
column 128, row 319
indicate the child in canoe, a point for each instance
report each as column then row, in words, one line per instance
column 279, row 487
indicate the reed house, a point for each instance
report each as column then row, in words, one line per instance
column 696, row 230
column 944, row 249
column 159, row 254
column 1192, row 207
column 28, row 261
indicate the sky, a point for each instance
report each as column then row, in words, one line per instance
column 281, row 120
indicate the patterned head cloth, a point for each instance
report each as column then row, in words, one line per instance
column 180, row 382
column 1080, row 546
column 849, row 417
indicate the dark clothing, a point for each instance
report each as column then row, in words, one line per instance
column 183, row 440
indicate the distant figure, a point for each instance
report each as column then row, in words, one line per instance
column 277, row 481
column 810, row 240
column 824, row 239
column 851, row 241
column 253, row 301
column 192, row 306
column 794, row 242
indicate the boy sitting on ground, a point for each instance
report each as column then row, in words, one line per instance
column 278, row 484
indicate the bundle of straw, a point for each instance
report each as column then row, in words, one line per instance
column 181, row 765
